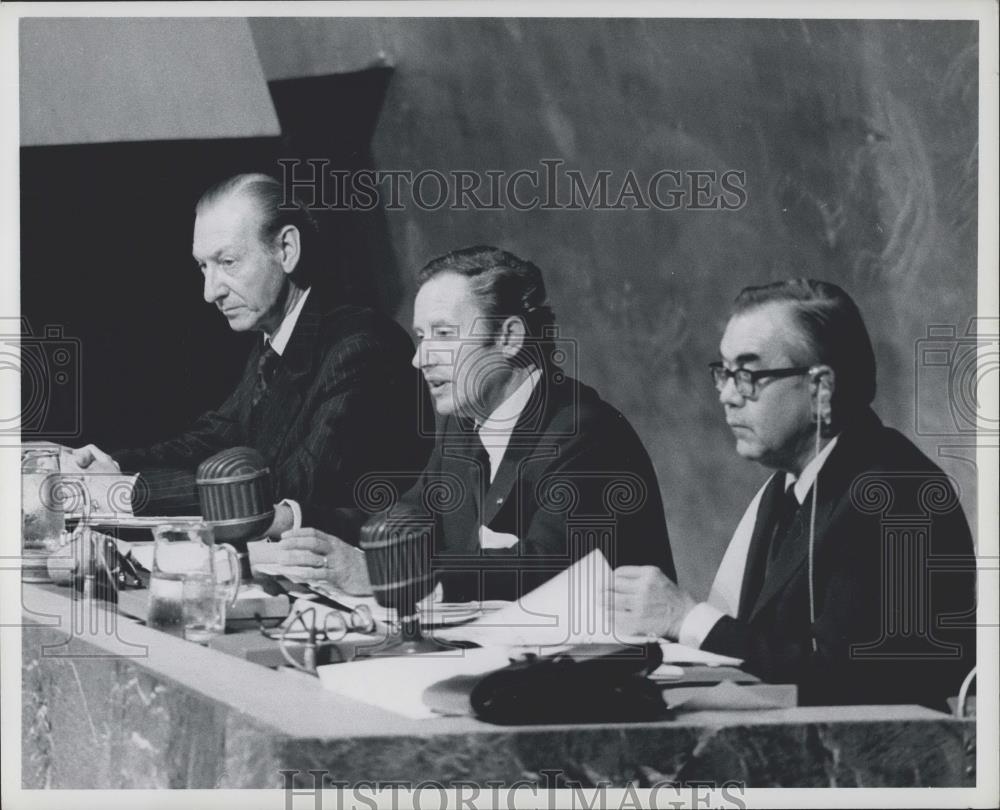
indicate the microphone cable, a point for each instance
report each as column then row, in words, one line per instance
column 812, row 543
column 812, row 519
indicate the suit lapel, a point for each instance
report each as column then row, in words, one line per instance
column 460, row 457
column 530, row 425
column 286, row 393
column 793, row 554
column 833, row 482
column 753, row 572
column 498, row 492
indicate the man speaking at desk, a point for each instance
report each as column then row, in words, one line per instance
column 851, row 572
column 530, row 467
column 326, row 395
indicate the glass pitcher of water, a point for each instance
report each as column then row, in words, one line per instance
column 47, row 497
column 186, row 552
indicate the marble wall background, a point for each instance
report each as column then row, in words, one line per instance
column 859, row 143
column 858, row 139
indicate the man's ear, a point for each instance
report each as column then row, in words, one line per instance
column 512, row 335
column 822, row 384
column 289, row 248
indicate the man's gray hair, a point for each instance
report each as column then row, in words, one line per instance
column 832, row 331
column 275, row 213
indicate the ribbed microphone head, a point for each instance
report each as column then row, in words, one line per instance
column 236, row 495
column 397, row 546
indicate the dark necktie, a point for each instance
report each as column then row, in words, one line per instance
column 777, row 508
column 784, row 517
column 267, row 365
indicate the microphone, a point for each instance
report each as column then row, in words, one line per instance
column 397, row 545
column 237, row 499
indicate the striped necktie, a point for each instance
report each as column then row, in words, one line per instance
column 267, row 365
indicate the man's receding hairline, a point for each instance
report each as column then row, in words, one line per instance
column 239, row 192
column 448, row 272
column 800, row 340
column 469, row 291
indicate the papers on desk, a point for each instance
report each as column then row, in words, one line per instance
column 398, row 684
column 679, row 655
column 728, row 696
column 382, row 614
column 448, row 614
column 323, row 588
column 570, row 608
column 142, row 553
column 306, row 614
column 109, row 496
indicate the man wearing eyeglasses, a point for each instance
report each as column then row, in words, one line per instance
column 851, row 572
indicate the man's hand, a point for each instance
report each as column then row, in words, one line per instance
column 88, row 459
column 284, row 520
column 312, row 554
column 647, row 602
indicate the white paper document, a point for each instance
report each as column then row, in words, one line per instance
column 109, row 499
column 571, row 608
column 728, row 696
column 674, row 653
column 398, row 684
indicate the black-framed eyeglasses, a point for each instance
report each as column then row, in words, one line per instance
column 746, row 380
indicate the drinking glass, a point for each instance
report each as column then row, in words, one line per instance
column 205, row 600
column 42, row 520
column 182, row 551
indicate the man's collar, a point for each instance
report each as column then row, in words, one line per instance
column 279, row 340
column 505, row 416
column 804, row 482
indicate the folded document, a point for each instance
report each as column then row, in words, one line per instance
column 570, row 608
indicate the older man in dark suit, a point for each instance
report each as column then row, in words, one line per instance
column 851, row 573
column 531, row 469
column 326, row 396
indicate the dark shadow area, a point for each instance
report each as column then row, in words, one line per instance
column 330, row 121
column 134, row 353
column 106, row 257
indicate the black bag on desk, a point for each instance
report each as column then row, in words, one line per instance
column 585, row 684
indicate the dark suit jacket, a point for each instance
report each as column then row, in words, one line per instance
column 344, row 401
column 574, row 476
column 894, row 582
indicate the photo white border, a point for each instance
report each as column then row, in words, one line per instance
column 986, row 11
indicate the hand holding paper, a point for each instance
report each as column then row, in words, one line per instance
column 646, row 601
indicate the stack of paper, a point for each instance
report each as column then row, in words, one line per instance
column 571, row 608
column 674, row 653
column 398, row 684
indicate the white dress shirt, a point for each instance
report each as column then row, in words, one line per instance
column 724, row 598
column 496, row 430
column 279, row 342
column 495, row 433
